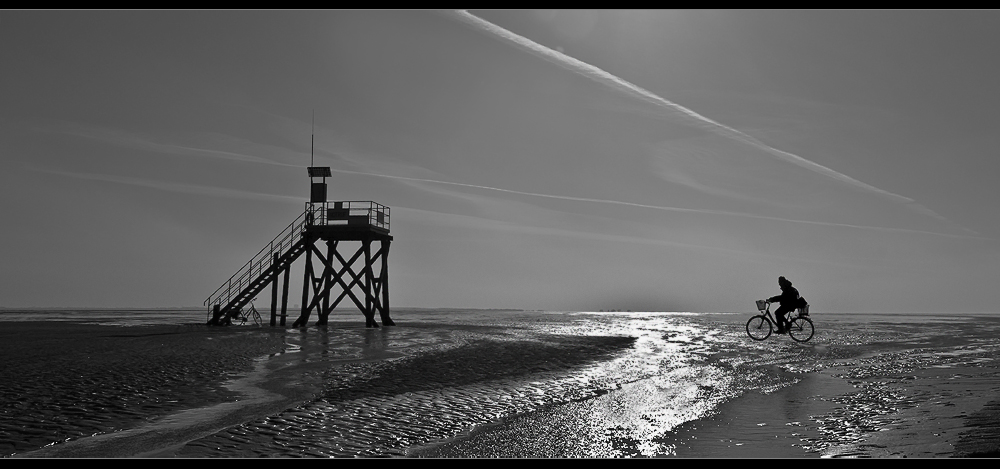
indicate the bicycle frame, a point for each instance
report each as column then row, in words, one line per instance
column 795, row 323
column 795, row 313
column 244, row 314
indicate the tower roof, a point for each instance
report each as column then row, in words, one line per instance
column 319, row 171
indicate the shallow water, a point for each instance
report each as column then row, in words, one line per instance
column 561, row 384
column 109, row 317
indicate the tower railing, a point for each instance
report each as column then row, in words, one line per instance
column 349, row 212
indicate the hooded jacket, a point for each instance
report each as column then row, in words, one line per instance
column 789, row 295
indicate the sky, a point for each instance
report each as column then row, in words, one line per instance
column 660, row 160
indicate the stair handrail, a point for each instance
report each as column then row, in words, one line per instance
column 243, row 276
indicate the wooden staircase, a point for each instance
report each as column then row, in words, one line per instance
column 258, row 272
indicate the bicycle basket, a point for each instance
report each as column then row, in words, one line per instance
column 761, row 305
column 804, row 311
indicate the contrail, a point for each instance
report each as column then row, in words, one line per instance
column 122, row 138
column 602, row 76
column 657, row 207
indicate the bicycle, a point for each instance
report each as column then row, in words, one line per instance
column 800, row 327
column 252, row 313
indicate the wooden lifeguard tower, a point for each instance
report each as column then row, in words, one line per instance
column 323, row 224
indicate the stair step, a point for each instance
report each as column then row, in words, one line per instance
column 246, row 291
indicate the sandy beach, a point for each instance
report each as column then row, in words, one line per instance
column 481, row 384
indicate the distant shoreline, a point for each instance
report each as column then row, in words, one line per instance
column 5, row 309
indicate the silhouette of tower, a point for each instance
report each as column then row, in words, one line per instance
column 321, row 232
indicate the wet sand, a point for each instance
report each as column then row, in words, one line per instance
column 62, row 381
column 448, row 390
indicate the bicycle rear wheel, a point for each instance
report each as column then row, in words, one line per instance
column 800, row 329
column 759, row 327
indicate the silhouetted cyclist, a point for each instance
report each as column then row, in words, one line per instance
column 789, row 299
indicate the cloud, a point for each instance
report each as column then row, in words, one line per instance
column 178, row 187
column 436, row 218
column 140, row 142
column 212, row 191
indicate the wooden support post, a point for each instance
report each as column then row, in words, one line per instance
column 274, row 290
column 367, row 272
column 328, row 279
column 325, row 283
column 306, row 286
column 386, row 320
column 215, row 315
column 319, row 285
column 336, row 277
column 376, row 284
column 376, row 281
column 284, row 295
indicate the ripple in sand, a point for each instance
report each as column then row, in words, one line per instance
column 382, row 408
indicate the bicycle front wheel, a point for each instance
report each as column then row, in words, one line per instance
column 800, row 329
column 758, row 327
